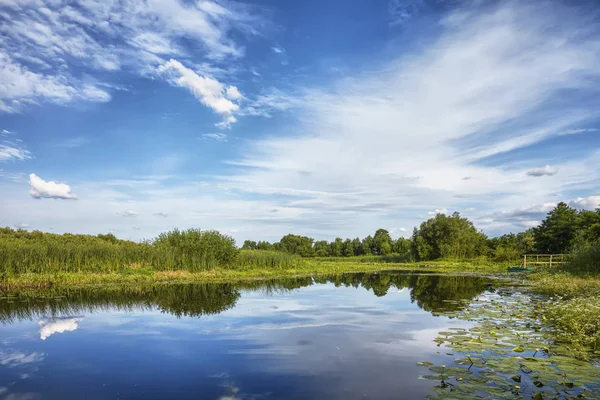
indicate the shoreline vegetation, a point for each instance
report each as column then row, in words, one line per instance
column 443, row 245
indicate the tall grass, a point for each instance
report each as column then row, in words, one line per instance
column 268, row 259
column 36, row 252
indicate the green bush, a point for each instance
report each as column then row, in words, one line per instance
column 585, row 261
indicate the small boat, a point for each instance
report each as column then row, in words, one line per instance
column 518, row 269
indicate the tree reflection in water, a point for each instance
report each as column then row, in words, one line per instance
column 430, row 292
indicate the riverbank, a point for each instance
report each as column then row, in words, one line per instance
column 137, row 274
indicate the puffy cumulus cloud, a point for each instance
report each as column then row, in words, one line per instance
column 40, row 189
column 48, row 41
column 207, row 90
column 546, row 170
column 49, row 327
column 586, row 203
column 233, row 93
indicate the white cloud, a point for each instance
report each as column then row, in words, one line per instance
column 278, row 49
column 437, row 211
column 49, row 327
column 22, row 226
column 49, row 190
column 17, row 358
column 207, row 90
column 221, row 137
column 586, row 203
column 492, row 82
column 48, row 40
column 5, row 132
column 546, row 170
column 19, row 87
column 161, row 214
column 233, row 93
column 10, row 152
column 130, row 213
column 578, row 131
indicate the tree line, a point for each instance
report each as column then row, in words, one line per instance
column 454, row 237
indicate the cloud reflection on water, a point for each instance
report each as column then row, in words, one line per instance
column 49, row 327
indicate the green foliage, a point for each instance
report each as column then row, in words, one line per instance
column 566, row 229
column 577, row 321
column 268, row 259
column 196, row 250
column 296, row 244
column 511, row 247
column 382, row 243
column 585, row 261
column 451, row 237
column 37, row 252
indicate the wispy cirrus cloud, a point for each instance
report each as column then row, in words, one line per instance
column 409, row 133
column 47, row 42
column 218, row 136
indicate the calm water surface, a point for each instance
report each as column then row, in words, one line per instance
column 350, row 337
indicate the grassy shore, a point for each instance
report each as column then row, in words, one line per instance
column 139, row 274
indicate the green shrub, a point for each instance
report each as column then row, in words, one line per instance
column 585, row 261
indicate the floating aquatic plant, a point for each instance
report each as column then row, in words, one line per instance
column 508, row 354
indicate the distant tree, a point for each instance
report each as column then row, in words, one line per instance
column 511, row 247
column 448, row 237
column 556, row 234
column 367, row 245
column 296, row 244
column 347, row 248
column 262, row 245
column 335, row 248
column 401, row 246
column 249, row 245
column 357, row 246
column 382, row 242
column 321, row 248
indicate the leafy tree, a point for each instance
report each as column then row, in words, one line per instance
column 357, row 246
column 335, row 248
column 448, row 237
column 347, row 248
column 262, row 245
column 382, row 242
column 249, row 245
column 367, row 245
column 401, row 246
column 556, row 234
column 296, row 244
column 321, row 248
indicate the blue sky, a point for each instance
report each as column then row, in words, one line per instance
column 320, row 118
